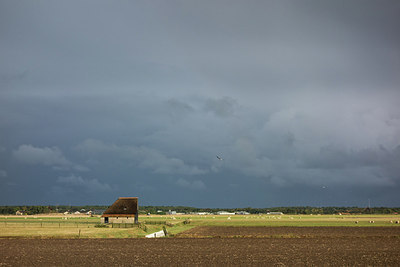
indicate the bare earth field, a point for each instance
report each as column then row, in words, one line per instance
column 292, row 232
column 328, row 246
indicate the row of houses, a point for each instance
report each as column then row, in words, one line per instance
column 173, row 212
column 210, row 213
column 81, row 212
column 126, row 210
column 232, row 213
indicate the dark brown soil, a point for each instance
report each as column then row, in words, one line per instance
column 291, row 232
column 377, row 247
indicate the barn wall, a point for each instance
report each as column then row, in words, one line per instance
column 119, row 219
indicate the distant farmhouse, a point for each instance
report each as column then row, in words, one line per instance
column 124, row 210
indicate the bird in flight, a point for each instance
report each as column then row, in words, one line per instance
column 219, row 158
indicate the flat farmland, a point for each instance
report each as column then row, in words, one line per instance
column 61, row 226
column 317, row 251
column 286, row 240
column 291, row 232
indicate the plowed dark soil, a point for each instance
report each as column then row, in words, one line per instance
column 377, row 247
column 291, row 232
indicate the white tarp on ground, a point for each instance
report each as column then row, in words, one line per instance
column 156, row 234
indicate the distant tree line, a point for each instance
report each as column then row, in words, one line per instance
column 285, row 210
column 30, row 210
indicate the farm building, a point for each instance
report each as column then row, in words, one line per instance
column 124, row 210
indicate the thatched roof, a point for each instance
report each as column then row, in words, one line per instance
column 124, row 207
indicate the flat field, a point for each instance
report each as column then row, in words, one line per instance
column 61, row 226
column 290, row 232
column 284, row 240
column 317, row 251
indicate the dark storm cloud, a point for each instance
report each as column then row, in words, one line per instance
column 139, row 98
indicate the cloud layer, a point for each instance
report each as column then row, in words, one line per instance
column 139, row 98
column 88, row 185
column 48, row 156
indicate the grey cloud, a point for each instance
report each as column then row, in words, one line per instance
column 178, row 106
column 178, row 109
column 3, row 173
column 79, row 183
column 292, row 94
column 329, row 166
column 11, row 77
column 331, row 157
column 48, row 156
column 196, row 184
column 223, row 107
column 289, row 139
column 75, row 167
column 144, row 157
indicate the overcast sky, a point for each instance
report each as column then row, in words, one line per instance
column 102, row 99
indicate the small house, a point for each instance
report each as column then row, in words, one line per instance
column 124, row 210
